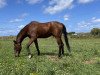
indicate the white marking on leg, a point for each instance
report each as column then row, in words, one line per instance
column 30, row 56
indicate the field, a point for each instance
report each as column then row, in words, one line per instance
column 84, row 60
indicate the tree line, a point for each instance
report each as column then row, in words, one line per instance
column 94, row 33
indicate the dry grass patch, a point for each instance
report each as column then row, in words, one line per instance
column 53, row 58
column 91, row 61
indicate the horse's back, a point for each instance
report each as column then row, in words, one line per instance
column 44, row 29
column 56, row 24
column 38, row 29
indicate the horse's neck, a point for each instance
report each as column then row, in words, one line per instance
column 20, row 37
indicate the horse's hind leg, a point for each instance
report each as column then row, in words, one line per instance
column 61, row 48
column 37, row 47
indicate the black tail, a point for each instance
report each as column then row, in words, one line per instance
column 66, row 38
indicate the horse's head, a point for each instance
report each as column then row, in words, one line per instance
column 17, row 48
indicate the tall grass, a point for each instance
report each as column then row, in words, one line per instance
column 85, row 58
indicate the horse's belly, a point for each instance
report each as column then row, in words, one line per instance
column 44, row 35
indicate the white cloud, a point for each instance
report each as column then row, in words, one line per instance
column 21, row 26
column 2, row 3
column 88, row 24
column 66, row 17
column 58, row 5
column 93, row 18
column 15, row 20
column 19, row 19
column 7, row 32
column 33, row 1
column 11, row 30
column 23, row 15
column 83, row 24
column 96, row 20
column 85, row 1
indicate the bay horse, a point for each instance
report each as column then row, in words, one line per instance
column 35, row 30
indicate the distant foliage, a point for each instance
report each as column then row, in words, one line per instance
column 71, row 33
column 81, row 35
column 7, row 37
column 95, row 32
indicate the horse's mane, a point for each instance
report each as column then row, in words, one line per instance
column 22, row 31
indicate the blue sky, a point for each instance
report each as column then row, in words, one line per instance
column 77, row 15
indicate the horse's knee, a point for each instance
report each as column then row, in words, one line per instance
column 28, row 50
column 61, row 45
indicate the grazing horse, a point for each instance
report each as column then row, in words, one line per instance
column 36, row 30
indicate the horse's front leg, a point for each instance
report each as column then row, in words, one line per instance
column 28, row 45
column 37, row 47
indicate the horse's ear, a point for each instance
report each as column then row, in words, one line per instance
column 14, row 41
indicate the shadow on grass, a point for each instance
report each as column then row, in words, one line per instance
column 46, row 53
column 51, row 54
column 55, row 54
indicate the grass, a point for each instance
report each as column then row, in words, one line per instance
column 85, row 58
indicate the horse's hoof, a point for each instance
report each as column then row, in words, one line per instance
column 30, row 56
column 16, row 55
column 59, row 57
column 39, row 54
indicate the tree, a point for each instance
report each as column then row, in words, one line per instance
column 71, row 33
column 95, row 31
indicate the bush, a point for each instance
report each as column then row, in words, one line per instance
column 95, row 32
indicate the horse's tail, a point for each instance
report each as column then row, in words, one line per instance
column 66, row 38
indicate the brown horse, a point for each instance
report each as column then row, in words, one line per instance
column 36, row 30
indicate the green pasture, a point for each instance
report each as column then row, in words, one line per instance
column 84, row 60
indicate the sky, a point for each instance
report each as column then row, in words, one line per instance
column 76, row 15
